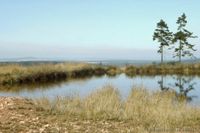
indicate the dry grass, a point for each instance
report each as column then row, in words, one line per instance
column 20, row 69
column 19, row 74
column 183, row 69
column 145, row 110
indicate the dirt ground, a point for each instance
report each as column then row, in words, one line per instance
column 18, row 115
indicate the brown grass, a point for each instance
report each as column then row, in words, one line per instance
column 19, row 74
column 145, row 110
column 179, row 69
column 11, row 74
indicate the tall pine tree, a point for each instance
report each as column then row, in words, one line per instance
column 163, row 36
column 184, row 48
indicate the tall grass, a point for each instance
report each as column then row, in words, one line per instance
column 142, row 108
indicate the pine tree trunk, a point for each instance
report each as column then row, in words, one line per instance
column 161, row 54
column 180, row 51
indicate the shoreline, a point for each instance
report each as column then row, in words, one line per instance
column 102, row 111
column 44, row 73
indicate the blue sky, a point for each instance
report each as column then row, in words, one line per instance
column 89, row 29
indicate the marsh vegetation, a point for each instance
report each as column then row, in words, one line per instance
column 19, row 74
column 144, row 109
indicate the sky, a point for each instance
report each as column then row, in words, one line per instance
column 90, row 29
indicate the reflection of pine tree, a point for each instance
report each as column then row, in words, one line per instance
column 185, row 85
column 161, row 84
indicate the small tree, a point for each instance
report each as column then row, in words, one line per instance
column 163, row 36
column 182, row 35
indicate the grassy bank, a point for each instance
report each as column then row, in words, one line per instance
column 145, row 111
column 24, row 74
column 19, row 74
column 165, row 69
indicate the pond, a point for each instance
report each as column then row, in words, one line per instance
column 183, row 85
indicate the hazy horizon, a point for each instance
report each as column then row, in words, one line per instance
column 90, row 30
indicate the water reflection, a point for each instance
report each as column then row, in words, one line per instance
column 181, row 84
column 44, row 86
column 184, row 86
column 161, row 84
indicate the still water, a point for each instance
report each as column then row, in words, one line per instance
column 183, row 85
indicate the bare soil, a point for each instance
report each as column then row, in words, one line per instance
column 18, row 115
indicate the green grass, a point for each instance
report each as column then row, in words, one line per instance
column 145, row 110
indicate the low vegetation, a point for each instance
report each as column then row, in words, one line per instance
column 16, row 74
column 145, row 111
column 164, row 69
column 104, row 110
column 20, row 74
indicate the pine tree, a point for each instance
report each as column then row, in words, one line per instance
column 163, row 36
column 184, row 48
